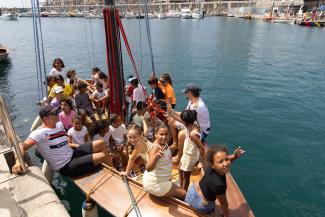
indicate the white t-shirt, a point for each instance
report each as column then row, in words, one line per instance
column 55, row 72
column 53, row 146
column 98, row 95
column 118, row 133
column 203, row 116
column 138, row 94
column 78, row 137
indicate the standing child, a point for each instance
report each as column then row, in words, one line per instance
column 119, row 137
column 58, row 65
column 78, row 134
column 66, row 114
column 83, row 102
column 192, row 147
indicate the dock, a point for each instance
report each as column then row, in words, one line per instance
column 24, row 195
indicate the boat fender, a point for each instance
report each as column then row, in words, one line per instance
column 89, row 209
column 37, row 122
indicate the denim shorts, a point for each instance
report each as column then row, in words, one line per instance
column 195, row 201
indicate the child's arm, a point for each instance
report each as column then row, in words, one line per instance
column 197, row 140
column 86, row 137
column 133, row 157
column 145, row 126
column 69, row 139
column 154, row 155
column 237, row 154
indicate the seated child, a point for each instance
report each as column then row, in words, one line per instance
column 58, row 93
column 157, row 93
column 67, row 113
column 140, row 113
column 83, row 103
column 67, row 89
column 78, row 134
column 100, row 98
column 118, row 141
column 158, row 174
column 100, row 131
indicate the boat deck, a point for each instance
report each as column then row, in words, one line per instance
column 109, row 191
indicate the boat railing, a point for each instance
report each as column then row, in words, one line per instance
column 9, row 142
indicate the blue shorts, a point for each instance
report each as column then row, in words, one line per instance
column 195, row 201
column 203, row 136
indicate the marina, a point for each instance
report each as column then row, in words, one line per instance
column 129, row 23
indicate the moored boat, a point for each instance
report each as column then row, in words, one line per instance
column 186, row 13
column 173, row 14
column 9, row 16
column 4, row 53
column 311, row 23
column 45, row 14
column 284, row 20
column 161, row 16
column 105, row 184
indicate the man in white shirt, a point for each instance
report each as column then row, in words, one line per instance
column 195, row 102
column 52, row 143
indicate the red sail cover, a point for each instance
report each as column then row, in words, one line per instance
column 114, row 62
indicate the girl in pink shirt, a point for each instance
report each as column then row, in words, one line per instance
column 66, row 114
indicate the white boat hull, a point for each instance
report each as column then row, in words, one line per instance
column 11, row 17
column 284, row 21
column 197, row 15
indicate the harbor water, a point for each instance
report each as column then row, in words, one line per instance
column 264, row 85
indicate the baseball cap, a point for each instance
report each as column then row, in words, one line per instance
column 48, row 110
column 130, row 78
column 191, row 87
column 57, row 89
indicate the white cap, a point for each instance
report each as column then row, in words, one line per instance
column 57, row 89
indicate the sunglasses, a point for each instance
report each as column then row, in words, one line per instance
column 163, row 81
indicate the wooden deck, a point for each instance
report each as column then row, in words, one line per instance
column 111, row 194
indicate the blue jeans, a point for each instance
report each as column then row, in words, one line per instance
column 195, row 201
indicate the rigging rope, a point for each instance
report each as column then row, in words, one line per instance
column 140, row 36
column 92, row 41
column 136, row 73
column 39, row 49
column 149, row 36
column 86, row 36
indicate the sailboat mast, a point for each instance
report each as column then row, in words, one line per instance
column 114, row 59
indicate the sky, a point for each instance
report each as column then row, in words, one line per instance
column 16, row 3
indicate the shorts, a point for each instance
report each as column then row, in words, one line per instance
column 195, row 201
column 188, row 163
column 153, row 186
column 81, row 161
column 203, row 136
column 159, row 189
